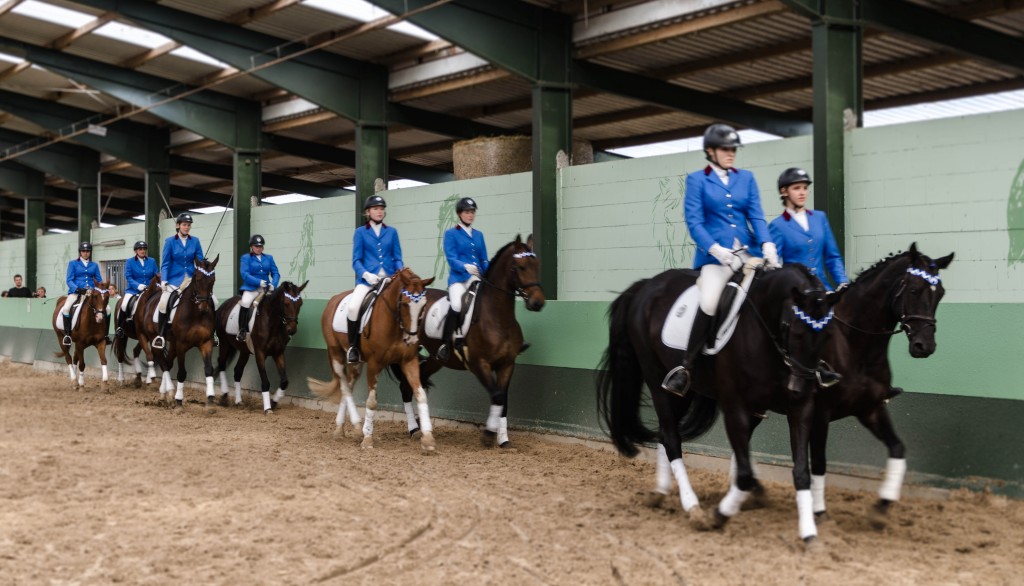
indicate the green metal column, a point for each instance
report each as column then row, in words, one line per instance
column 88, row 210
column 247, row 187
column 35, row 217
column 838, row 105
column 371, row 163
column 157, row 189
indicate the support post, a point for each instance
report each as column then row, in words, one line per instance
column 247, row 186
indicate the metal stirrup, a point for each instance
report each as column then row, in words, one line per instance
column 664, row 383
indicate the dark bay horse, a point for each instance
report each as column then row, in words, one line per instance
column 391, row 337
column 131, row 330
column 89, row 330
column 192, row 327
column 769, row 364
column 494, row 338
column 902, row 290
column 277, row 320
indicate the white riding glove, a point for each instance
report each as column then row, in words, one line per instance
column 163, row 285
column 263, row 284
column 371, row 278
column 141, row 287
column 771, row 255
column 270, row 286
column 473, row 270
column 725, row 256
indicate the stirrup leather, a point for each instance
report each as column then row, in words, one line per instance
column 670, row 375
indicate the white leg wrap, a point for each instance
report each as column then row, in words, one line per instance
column 410, row 416
column 266, row 400
column 493, row 417
column 179, row 394
column 71, row 372
column 687, row 497
column 238, row 393
column 732, row 501
column 137, row 363
column 120, row 373
column 893, row 482
column 818, row 492
column 502, row 430
column 150, row 372
column 663, row 476
column 209, row 386
column 81, row 378
column 353, row 413
column 368, row 422
column 278, row 395
column 105, row 375
column 804, row 509
column 425, row 424
column 223, row 383
column 340, row 419
column 165, row 383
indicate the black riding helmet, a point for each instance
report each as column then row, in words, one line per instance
column 719, row 136
column 793, row 175
column 183, row 217
column 257, row 240
column 466, row 203
column 85, row 247
column 141, row 244
column 374, row 201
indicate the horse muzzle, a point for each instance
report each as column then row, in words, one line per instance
column 534, row 304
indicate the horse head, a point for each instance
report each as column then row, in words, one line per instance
column 917, row 296
column 96, row 299
column 202, row 282
column 290, row 297
column 805, row 315
column 412, row 300
column 526, row 273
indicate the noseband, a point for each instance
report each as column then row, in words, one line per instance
column 285, row 319
column 904, row 319
column 520, row 289
column 196, row 297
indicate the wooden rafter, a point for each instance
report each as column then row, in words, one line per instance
column 65, row 40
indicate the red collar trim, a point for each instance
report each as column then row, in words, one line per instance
column 788, row 216
column 708, row 170
column 368, row 227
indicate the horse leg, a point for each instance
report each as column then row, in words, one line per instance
column 206, row 348
column 880, row 425
column 283, row 375
column 406, row 389
column 800, row 416
column 372, row 372
column 261, row 366
column 485, row 375
column 137, row 364
column 504, row 378
column 101, row 349
column 222, row 365
column 738, row 428
column 758, row 496
column 411, row 370
column 179, row 393
column 670, row 410
column 819, row 463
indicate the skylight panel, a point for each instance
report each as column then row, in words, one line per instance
column 131, row 34
column 10, row 58
column 51, row 13
column 364, row 12
column 192, row 54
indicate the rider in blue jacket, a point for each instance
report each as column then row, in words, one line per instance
column 177, row 265
column 259, row 276
column 82, row 275
column 466, row 252
column 722, row 208
column 139, row 270
column 376, row 253
column 804, row 236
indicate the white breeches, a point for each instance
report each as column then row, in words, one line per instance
column 166, row 293
column 711, row 283
column 250, row 297
column 356, row 300
column 457, row 290
column 124, row 300
column 66, row 310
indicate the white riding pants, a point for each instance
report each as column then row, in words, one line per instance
column 166, row 293
column 356, row 300
column 124, row 300
column 66, row 310
column 712, row 281
column 457, row 290
column 250, row 297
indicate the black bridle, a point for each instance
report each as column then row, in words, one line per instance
column 520, row 289
column 902, row 318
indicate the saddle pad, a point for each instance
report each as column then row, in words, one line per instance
column 232, row 326
column 340, row 321
column 434, row 326
column 75, row 310
column 174, row 310
column 675, row 333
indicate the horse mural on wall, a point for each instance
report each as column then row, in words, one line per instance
column 1015, row 219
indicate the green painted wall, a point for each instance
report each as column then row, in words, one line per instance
column 12, row 261
column 54, row 252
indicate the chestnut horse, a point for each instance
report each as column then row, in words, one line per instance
column 89, row 330
column 277, row 320
column 131, row 331
column 391, row 337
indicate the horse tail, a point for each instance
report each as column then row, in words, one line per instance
column 325, row 389
column 620, row 380
column 699, row 418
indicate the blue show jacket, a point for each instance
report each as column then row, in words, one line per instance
column 257, row 268
column 814, row 248
column 461, row 249
column 80, row 276
column 371, row 253
column 719, row 213
column 177, row 260
column 137, row 273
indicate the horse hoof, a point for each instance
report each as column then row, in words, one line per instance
column 273, row 405
column 268, row 411
column 654, row 499
column 427, row 443
column 507, row 445
column 822, row 517
column 878, row 514
column 699, row 519
column 813, row 545
column 415, row 433
column 758, row 498
column 367, row 443
column 224, row 400
column 488, row 438
column 718, row 520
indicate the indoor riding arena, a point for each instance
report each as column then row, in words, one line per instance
column 574, row 128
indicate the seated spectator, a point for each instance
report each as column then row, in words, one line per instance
column 41, row 293
column 19, row 290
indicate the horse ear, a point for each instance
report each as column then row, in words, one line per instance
column 944, row 261
column 303, row 286
column 427, row 282
column 215, row 261
column 529, row 241
column 833, row 297
column 519, row 238
column 913, row 249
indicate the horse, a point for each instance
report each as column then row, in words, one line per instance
column 276, row 321
column 192, row 327
column 902, row 290
column 89, row 330
column 391, row 337
column 770, row 363
column 494, row 337
column 131, row 330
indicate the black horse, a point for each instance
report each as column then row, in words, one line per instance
column 277, row 320
column 769, row 364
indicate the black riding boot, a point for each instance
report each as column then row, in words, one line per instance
column 354, row 356
column 67, row 330
column 119, row 330
column 158, row 341
column 106, row 328
column 243, row 322
column 448, row 337
column 678, row 379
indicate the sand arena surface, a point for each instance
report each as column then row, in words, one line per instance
column 103, row 488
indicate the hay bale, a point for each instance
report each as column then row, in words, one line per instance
column 504, row 155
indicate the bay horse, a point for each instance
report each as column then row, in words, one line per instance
column 769, row 363
column 902, row 290
column 494, row 338
column 89, row 330
column 276, row 321
column 391, row 337
column 131, row 331
column 192, row 327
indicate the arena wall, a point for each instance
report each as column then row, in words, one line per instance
column 950, row 185
column 12, row 261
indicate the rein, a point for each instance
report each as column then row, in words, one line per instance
column 903, row 318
